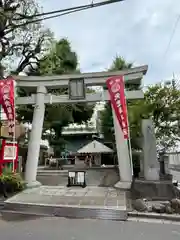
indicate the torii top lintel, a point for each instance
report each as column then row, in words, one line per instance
column 132, row 76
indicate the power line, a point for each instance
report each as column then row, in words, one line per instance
column 91, row 5
column 22, row 17
column 63, row 12
column 172, row 35
column 50, row 17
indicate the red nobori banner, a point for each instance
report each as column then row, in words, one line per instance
column 116, row 91
column 7, row 102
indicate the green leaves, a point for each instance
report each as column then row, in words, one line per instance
column 59, row 60
column 119, row 63
column 107, row 126
column 21, row 46
column 161, row 103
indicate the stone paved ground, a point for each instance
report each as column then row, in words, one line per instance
column 69, row 229
column 74, row 196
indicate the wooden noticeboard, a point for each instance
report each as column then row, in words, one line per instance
column 76, row 178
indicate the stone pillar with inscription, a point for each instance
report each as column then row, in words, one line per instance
column 150, row 164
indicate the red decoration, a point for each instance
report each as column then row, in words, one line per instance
column 7, row 101
column 9, row 150
column 116, row 91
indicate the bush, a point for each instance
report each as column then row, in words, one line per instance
column 13, row 182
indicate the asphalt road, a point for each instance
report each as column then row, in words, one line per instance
column 68, row 229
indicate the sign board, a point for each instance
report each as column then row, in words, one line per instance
column 9, row 151
column 76, row 178
column 8, row 154
column 76, row 89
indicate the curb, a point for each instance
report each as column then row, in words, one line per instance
column 169, row 217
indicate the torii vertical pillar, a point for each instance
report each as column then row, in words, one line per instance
column 35, row 139
column 124, row 163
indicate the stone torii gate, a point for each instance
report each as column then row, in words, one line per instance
column 42, row 83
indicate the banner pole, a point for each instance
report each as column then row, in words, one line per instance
column 129, row 143
column 14, row 137
column 129, row 135
column 116, row 87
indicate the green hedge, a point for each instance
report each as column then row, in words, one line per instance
column 13, row 182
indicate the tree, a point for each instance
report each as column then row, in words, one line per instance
column 119, row 63
column 60, row 60
column 20, row 43
column 162, row 104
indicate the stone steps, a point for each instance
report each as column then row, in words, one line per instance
column 75, row 202
column 15, row 211
column 52, row 172
column 10, row 215
column 94, row 177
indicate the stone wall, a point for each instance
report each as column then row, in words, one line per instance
column 153, row 190
column 104, row 177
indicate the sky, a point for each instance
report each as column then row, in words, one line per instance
column 138, row 30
